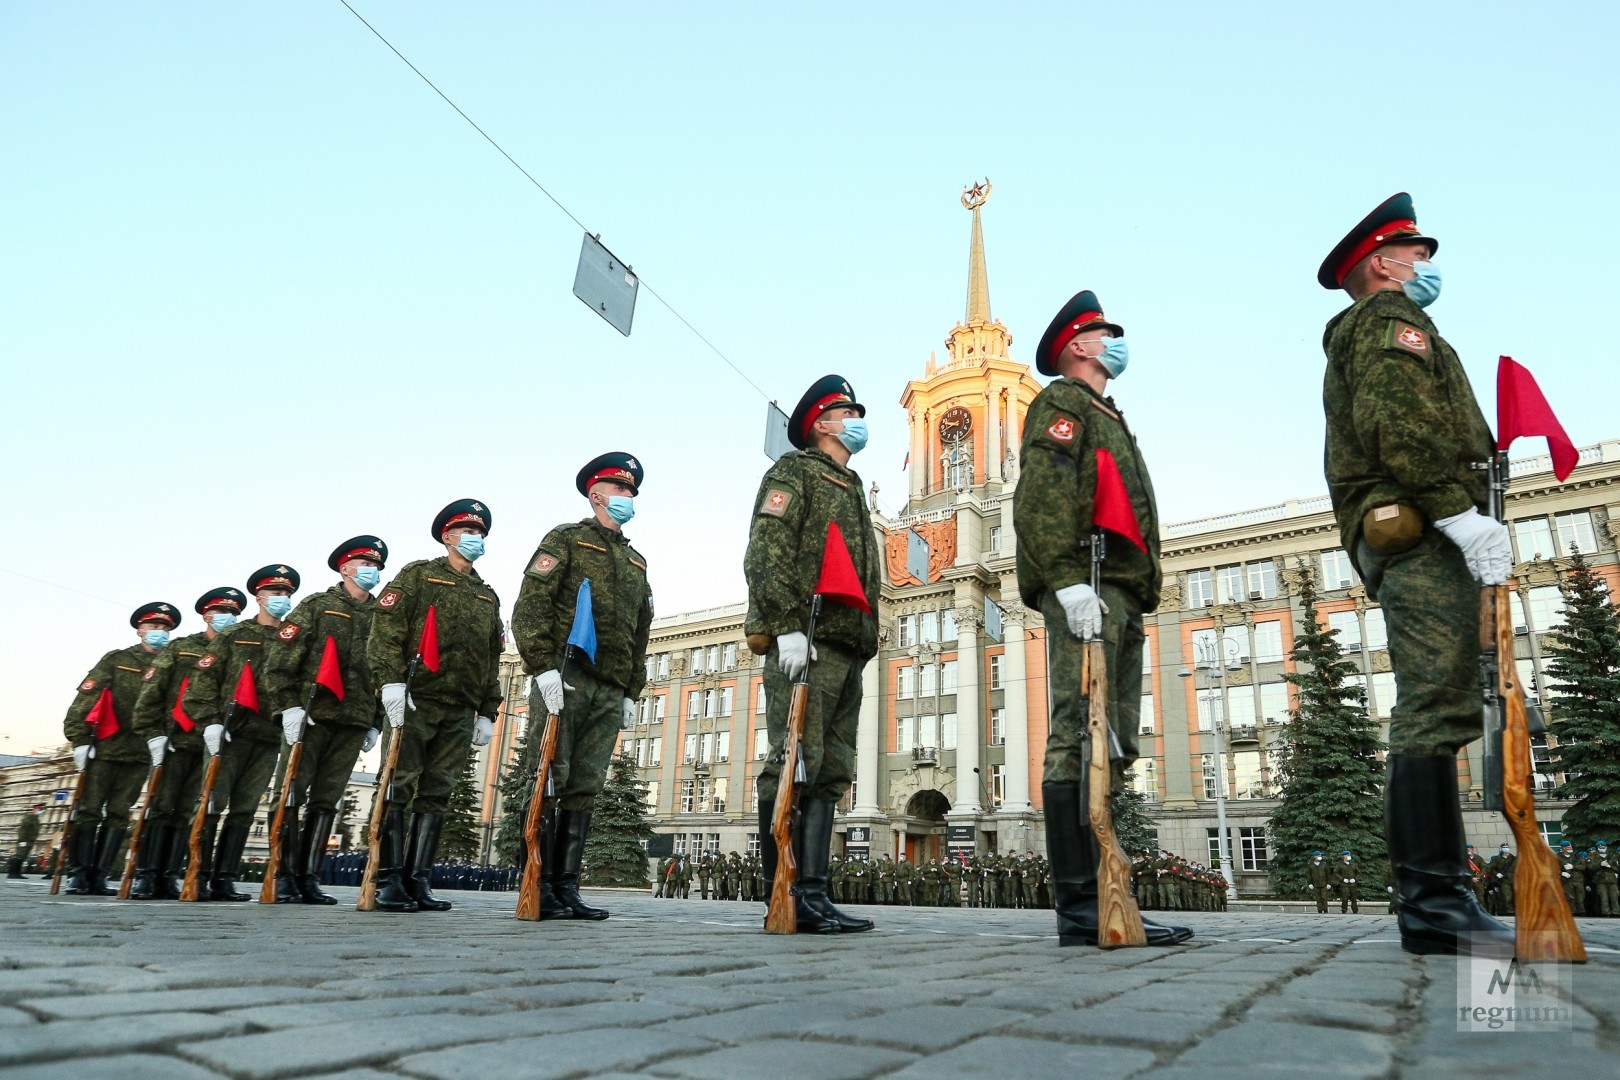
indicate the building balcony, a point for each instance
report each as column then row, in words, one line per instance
column 924, row 755
column 1244, row 733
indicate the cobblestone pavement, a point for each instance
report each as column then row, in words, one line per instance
column 692, row 989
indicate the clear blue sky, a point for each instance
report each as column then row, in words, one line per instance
column 263, row 290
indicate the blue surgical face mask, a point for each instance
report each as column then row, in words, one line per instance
column 367, row 577
column 156, row 638
column 471, row 546
column 220, row 621
column 854, row 434
column 278, row 606
column 1115, row 356
column 1424, row 289
column 621, row 508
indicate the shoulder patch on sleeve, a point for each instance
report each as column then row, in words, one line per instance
column 288, row 632
column 776, row 501
column 1063, row 428
column 207, row 661
column 388, row 599
column 87, row 686
column 150, row 672
column 1403, row 335
column 544, row 563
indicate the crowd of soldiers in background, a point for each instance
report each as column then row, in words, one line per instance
column 1591, row 879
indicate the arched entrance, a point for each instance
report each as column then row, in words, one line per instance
column 924, row 825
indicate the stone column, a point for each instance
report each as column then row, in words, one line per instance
column 869, row 740
column 919, row 464
column 1017, row 698
column 992, row 435
column 969, row 734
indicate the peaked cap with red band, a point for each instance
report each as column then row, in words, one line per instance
column 1394, row 222
column 827, row 392
column 1082, row 312
column 274, row 576
column 156, row 611
column 359, row 547
column 223, row 598
column 462, row 512
column 618, row 467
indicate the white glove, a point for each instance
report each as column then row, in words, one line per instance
column 371, row 740
column 1484, row 543
column 214, row 738
column 483, row 731
column 793, row 655
column 551, row 690
column 1084, row 609
column 1352, row 881
column 292, row 725
column 1565, row 874
column 628, row 711
column 158, row 747
column 394, row 700
column 82, row 756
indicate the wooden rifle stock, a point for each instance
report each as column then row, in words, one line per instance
column 67, row 831
column 135, row 835
column 379, row 802
column 1543, row 927
column 782, row 916
column 194, row 852
column 272, row 864
column 1119, row 923
column 528, row 905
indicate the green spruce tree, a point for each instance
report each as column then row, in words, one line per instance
column 516, row 787
column 615, row 852
column 459, row 840
column 1583, row 670
column 1131, row 825
column 1331, row 778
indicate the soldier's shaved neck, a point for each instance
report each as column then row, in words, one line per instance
column 1078, row 361
column 1379, row 273
column 827, row 441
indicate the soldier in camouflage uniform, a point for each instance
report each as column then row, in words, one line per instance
column 1405, row 439
column 108, row 751
column 451, row 699
column 1474, row 865
column 1572, row 873
column 1603, row 871
column 245, row 736
column 27, row 834
column 1070, row 425
column 1319, row 878
column 160, row 714
column 802, row 496
column 905, row 878
column 341, row 723
column 593, row 698
column 1499, row 877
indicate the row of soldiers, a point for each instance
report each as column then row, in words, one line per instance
column 719, row 877
column 1167, row 882
column 1590, row 879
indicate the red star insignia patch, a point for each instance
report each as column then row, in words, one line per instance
column 1413, row 339
column 776, row 502
column 288, row 632
column 1062, row 430
column 544, row 565
column 206, row 662
column 388, row 599
column 88, row 684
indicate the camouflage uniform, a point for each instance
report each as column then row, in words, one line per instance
column 801, row 494
column 1317, row 873
column 1403, row 427
column 621, row 603
column 248, row 760
column 1067, row 424
column 170, row 806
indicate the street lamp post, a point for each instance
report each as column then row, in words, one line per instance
column 1214, row 661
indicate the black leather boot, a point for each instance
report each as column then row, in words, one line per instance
column 1072, row 851
column 154, row 842
column 391, row 892
column 108, row 840
column 287, row 869
column 311, row 851
column 817, row 829
column 550, row 867
column 1423, row 820
column 810, row 921
column 81, row 857
column 227, row 857
column 572, row 826
column 424, row 846
column 169, row 859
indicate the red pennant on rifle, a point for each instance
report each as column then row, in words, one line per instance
column 1522, row 409
column 246, row 695
column 179, row 711
column 428, row 647
column 102, row 721
column 839, row 581
column 330, row 675
column 1111, row 506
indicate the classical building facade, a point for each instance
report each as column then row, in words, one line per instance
column 954, row 717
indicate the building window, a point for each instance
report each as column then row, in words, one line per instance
column 930, row 678
column 904, row 686
column 947, row 731
column 711, row 843
column 652, row 668
column 697, row 662
column 902, row 734
column 1532, row 538
column 690, row 752
column 1145, row 778
column 907, row 631
column 705, row 748
column 1262, row 580
column 713, row 659
column 1377, row 631
column 947, row 677
column 1274, row 702
column 722, row 745
column 1575, row 530
column 928, row 626
column 1546, row 608
column 1146, row 720
column 1200, row 589
column 947, row 625
column 762, row 743
column 694, row 704
column 728, row 657
column 995, row 672
column 655, row 754
column 1349, row 629
column 998, row 786
column 688, row 795
column 1210, row 709
column 1552, row 832
column 759, row 699
column 1252, row 848
column 1268, row 642
column 995, row 538
column 652, row 796
column 658, row 711
column 663, row 665
column 1249, row 780
column 679, row 847
column 727, row 694
column 998, row 727
column 928, row 730
column 718, row 802
column 1215, row 847
column 752, row 846
column 1337, row 573
column 1209, row 777
column 1229, row 585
